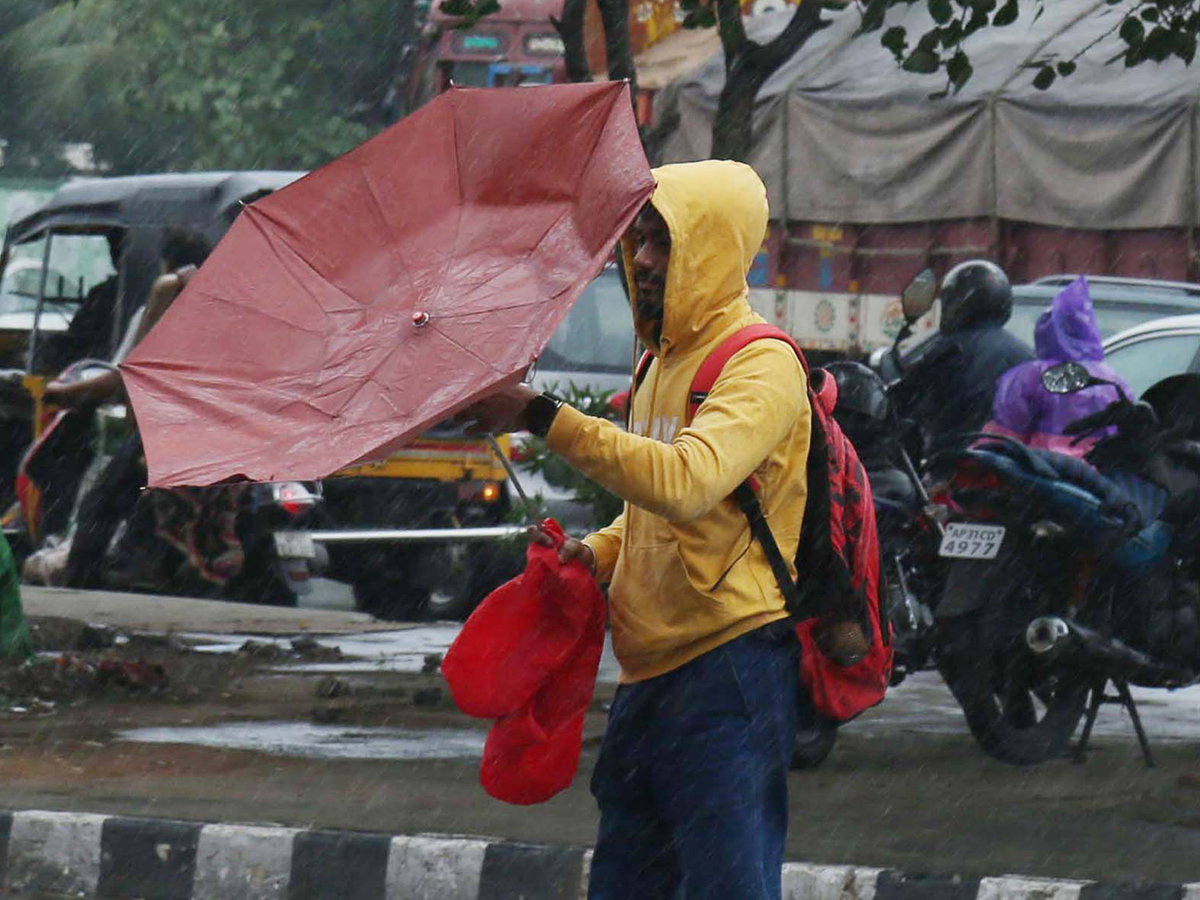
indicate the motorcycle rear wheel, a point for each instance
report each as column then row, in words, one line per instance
column 814, row 742
column 1018, row 712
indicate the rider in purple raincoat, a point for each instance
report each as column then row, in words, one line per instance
column 1024, row 409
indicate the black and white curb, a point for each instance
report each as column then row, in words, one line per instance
column 123, row 858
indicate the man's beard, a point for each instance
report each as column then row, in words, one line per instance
column 652, row 315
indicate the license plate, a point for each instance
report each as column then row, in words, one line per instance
column 966, row 540
column 294, row 545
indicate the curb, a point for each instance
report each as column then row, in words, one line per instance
column 101, row 857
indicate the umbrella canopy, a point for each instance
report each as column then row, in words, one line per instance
column 344, row 314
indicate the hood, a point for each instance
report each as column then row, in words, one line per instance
column 1067, row 331
column 716, row 212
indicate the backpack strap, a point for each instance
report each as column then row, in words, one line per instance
column 746, row 493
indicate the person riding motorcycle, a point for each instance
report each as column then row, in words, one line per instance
column 1025, row 410
column 948, row 381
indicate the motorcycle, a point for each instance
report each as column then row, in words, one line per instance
column 1065, row 577
column 71, row 448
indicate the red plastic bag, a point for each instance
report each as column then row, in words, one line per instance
column 528, row 657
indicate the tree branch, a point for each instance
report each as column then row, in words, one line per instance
column 804, row 23
column 614, row 14
column 732, row 30
column 570, row 29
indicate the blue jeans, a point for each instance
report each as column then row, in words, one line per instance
column 692, row 776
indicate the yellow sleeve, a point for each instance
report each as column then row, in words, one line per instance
column 754, row 404
column 606, row 544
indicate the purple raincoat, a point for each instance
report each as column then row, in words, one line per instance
column 1024, row 409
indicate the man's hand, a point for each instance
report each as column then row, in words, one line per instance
column 502, row 412
column 572, row 548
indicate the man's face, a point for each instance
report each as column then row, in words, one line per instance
column 652, row 251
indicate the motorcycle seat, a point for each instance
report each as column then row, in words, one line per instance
column 1077, row 472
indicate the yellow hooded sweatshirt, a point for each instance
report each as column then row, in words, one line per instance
column 686, row 575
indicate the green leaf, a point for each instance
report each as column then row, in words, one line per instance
column 1066, row 68
column 896, row 40
column 1044, row 78
column 873, row 16
column 941, row 11
column 951, row 35
column 923, row 62
column 1007, row 14
column 1186, row 49
column 1150, row 14
column 959, row 70
column 1132, row 32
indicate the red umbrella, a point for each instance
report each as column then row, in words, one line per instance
column 346, row 313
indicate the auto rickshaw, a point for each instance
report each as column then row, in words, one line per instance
column 95, row 251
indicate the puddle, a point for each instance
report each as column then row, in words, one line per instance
column 315, row 741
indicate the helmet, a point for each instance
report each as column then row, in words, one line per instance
column 974, row 292
column 860, row 391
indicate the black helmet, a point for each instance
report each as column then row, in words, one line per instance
column 974, row 292
column 860, row 391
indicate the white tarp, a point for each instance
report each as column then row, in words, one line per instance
column 855, row 139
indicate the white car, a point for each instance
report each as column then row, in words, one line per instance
column 1148, row 353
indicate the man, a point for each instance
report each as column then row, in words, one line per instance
column 88, row 334
column 692, row 775
column 115, row 493
column 949, row 381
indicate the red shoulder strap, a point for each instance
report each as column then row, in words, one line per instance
column 711, row 368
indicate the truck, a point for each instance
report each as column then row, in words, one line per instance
column 874, row 174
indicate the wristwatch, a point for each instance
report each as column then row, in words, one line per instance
column 540, row 413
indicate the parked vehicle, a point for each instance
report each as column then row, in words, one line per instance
column 71, row 240
column 1148, row 353
column 1064, row 577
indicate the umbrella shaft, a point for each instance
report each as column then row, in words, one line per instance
column 512, row 474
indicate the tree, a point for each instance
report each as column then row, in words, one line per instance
column 161, row 85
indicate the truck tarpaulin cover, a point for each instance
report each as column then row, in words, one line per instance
column 348, row 312
column 841, row 134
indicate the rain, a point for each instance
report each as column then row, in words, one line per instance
column 586, row 448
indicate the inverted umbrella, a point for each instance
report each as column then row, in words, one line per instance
column 343, row 315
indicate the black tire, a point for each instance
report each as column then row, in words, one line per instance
column 470, row 573
column 1019, row 711
column 389, row 596
column 814, row 743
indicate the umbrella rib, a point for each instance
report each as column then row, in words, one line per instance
column 467, row 350
column 383, row 220
column 272, row 236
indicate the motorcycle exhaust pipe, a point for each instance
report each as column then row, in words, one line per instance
column 1051, row 636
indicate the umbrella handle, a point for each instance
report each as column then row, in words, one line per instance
column 512, row 474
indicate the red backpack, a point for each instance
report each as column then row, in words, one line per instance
column 838, row 557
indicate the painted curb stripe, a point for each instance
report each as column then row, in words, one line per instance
column 144, row 858
column 525, row 871
column 899, row 886
column 335, row 865
column 243, row 862
column 55, row 853
column 432, row 868
column 1131, row 892
column 90, row 855
column 1020, row 888
column 807, row 881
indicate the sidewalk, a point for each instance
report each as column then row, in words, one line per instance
column 114, row 858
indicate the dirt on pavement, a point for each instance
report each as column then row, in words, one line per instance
column 888, row 797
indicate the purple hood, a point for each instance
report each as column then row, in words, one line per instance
column 1067, row 331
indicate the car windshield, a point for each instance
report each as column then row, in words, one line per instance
column 597, row 334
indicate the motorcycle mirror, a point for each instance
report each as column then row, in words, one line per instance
column 918, row 295
column 1067, row 378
